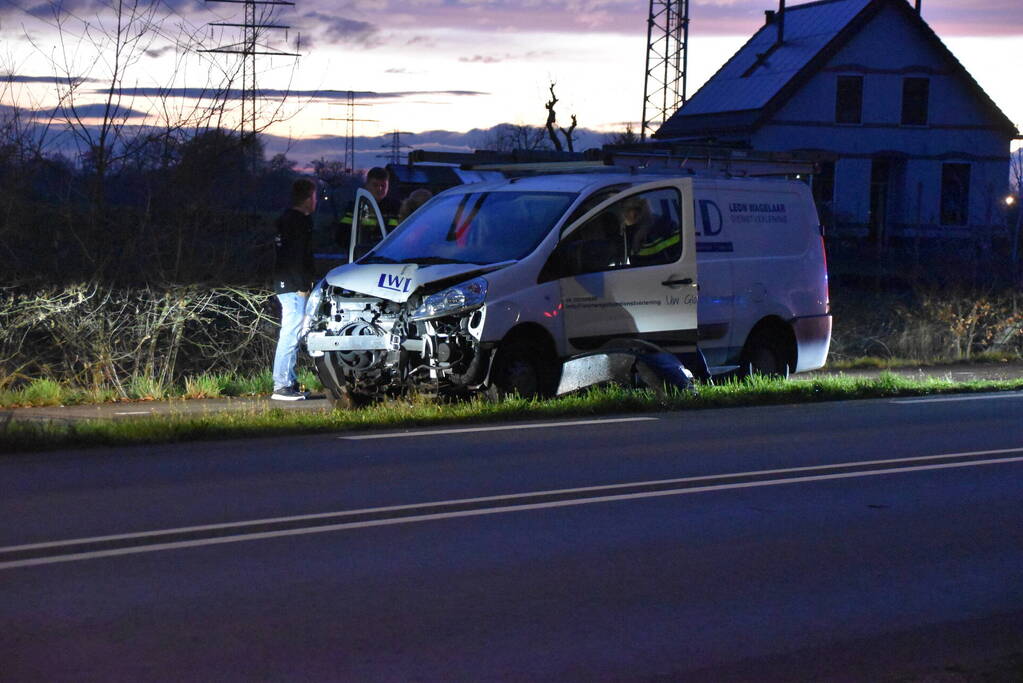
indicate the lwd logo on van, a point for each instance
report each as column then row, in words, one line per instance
column 395, row 283
column 711, row 220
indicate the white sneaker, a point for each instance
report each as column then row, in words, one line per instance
column 288, row 394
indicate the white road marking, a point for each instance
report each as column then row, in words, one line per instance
column 943, row 399
column 467, row 430
column 136, row 412
column 494, row 510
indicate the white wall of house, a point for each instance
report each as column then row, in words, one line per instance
column 959, row 128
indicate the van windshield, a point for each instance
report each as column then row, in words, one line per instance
column 476, row 227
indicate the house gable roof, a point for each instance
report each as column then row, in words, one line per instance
column 762, row 75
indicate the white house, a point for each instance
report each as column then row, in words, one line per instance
column 920, row 147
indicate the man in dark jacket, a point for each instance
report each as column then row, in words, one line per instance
column 293, row 279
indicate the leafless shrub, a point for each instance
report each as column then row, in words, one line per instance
column 931, row 325
column 94, row 336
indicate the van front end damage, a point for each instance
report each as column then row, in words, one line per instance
column 368, row 348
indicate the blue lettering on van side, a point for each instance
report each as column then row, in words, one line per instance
column 716, row 247
column 711, row 221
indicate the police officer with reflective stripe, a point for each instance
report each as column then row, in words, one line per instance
column 378, row 185
column 660, row 249
column 651, row 241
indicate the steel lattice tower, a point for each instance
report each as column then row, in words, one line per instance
column 396, row 147
column 350, row 121
column 253, row 27
column 664, row 83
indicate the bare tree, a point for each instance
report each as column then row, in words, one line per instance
column 507, row 137
column 117, row 47
column 552, row 119
column 569, row 134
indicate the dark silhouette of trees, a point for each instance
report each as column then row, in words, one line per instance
column 552, row 119
column 507, row 137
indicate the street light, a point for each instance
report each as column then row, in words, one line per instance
column 1010, row 200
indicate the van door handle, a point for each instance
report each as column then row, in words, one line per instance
column 675, row 283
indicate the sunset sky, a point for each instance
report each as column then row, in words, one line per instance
column 453, row 65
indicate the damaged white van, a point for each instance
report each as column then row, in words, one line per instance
column 492, row 286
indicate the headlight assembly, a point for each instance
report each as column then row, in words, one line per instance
column 453, row 300
column 312, row 305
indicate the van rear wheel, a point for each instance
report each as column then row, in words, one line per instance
column 765, row 354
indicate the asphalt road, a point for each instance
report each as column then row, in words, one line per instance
column 871, row 540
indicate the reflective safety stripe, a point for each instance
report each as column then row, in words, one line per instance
column 660, row 245
column 369, row 221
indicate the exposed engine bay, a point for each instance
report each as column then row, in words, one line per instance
column 367, row 348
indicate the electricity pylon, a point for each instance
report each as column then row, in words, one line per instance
column 664, row 81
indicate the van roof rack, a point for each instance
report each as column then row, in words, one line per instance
column 649, row 158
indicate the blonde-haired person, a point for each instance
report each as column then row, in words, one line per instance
column 652, row 239
column 636, row 222
column 413, row 202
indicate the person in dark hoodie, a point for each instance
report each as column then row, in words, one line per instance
column 293, row 279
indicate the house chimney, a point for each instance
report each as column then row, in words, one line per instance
column 781, row 21
column 768, row 16
column 918, row 3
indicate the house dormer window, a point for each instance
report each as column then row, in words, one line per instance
column 849, row 99
column 915, row 94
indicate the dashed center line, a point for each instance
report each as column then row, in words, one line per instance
column 959, row 397
column 469, row 430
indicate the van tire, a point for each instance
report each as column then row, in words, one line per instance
column 338, row 393
column 766, row 354
column 524, row 368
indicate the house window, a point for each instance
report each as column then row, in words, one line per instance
column 955, row 194
column 915, row 92
column 849, row 99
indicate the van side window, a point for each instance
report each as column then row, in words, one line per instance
column 640, row 230
column 597, row 197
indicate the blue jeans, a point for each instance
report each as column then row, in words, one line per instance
column 292, row 312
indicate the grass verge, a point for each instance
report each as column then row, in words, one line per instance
column 47, row 392
column 273, row 421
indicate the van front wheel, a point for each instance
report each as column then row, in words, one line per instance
column 521, row 368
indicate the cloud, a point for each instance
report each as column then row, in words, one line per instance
column 342, row 31
column 204, row 93
column 481, row 59
column 707, row 18
column 372, row 22
column 85, row 111
column 158, row 52
column 421, row 41
column 507, row 57
column 52, row 80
